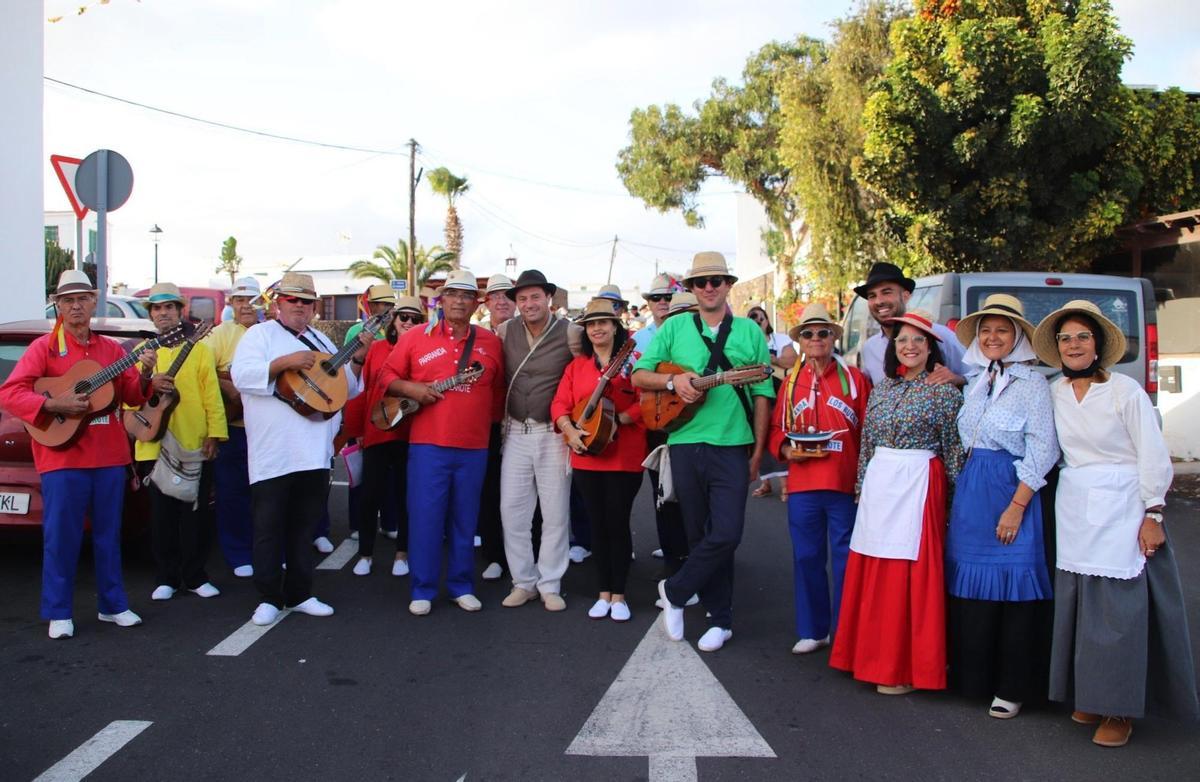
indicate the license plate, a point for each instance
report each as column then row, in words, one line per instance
column 14, row 503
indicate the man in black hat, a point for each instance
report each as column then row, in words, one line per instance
column 887, row 292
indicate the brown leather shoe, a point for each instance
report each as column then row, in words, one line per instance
column 1113, row 732
column 518, row 597
column 1085, row 718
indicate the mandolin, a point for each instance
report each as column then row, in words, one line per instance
column 667, row 410
column 148, row 423
column 323, row 389
column 391, row 410
column 87, row 377
column 596, row 416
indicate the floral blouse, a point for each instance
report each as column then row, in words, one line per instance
column 1019, row 421
column 910, row 414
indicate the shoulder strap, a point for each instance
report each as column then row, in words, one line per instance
column 465, row 359
column 718, row 360
column 554, row 321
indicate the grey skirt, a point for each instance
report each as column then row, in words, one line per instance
column 1121, row 647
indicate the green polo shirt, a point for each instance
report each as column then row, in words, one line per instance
column 721, row 419
column 354, row 330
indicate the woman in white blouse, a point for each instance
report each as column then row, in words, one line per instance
column 1121, row 648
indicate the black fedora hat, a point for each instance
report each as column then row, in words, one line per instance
column 885, row 272
column 528, row 279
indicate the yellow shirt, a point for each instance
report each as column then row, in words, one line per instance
column 223, row 342
column 200, row 412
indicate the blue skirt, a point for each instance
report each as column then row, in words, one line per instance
column 978, row 567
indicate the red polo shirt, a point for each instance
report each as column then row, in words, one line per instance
column 357, row 419
column 626, row 452
column 463, row 418
column 100, row 443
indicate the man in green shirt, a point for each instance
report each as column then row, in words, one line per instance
column 380, row 298
column 715, row 455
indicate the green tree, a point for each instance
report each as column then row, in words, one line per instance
column 449, row 186
column 995, row 133
column 1161, row 140
column 58, row 261
column 230, row 261
column 391, row 263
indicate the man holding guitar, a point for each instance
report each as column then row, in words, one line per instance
column 181, row 530
column 86, row 475
column 709, row 463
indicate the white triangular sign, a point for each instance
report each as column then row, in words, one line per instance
column 65, row 167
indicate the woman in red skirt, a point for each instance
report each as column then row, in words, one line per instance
column 892, row 628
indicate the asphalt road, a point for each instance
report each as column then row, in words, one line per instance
column 374, row 693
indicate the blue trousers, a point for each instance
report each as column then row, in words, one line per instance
column 443, row 506
column 819, row 521
column 69, row 495
column 235, row 523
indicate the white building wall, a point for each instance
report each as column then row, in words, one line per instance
column 752, row 260
column 1181, row 412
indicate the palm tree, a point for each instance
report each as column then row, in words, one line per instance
column 451, row 187
column 391, row 263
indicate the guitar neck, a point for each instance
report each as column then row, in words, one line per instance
column 448, row 383
column 177, row 364
column 339, row 359
column 721, row 378
column 113, row 370
column 610, row 371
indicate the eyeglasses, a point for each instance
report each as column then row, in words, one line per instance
column 818, row 334
column 294, row 300
column 708, row 282
column 916, row 339
column 455, row 293
column 657, row 297
column 405, row 317
column 1082, row 337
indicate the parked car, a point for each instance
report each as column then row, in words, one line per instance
column 202, row 303
column 20, row 483
column 118, row 307
column 1129, row 302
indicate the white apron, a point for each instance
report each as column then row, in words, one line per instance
column 892, row 505
column 1099, row 511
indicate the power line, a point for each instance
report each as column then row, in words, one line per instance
column 538, row 182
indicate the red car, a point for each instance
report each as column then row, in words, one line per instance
column 20, row 484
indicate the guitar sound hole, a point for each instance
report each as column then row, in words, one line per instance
column 152, row 401
column 327, row 368
column 82, row 387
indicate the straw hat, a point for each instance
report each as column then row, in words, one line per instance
column 163, row 292
column 918, row 319
column 598, row 309
column 245, row 286
column 74, row 281
column 409, row 303
column 498, row 283
column 612, row 293
column 1045, row 341
column 381, row 294
column 684, row 301
column 997, row 304
column 708, row 264
column 297, row 284
column 660, row 287
column 462, row 280
column 815, row 314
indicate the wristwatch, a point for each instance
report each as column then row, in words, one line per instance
column 1153, row 514
column 671, row 384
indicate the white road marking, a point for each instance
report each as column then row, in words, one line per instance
column 667, row 705
column 340, row 556
column 243, row 637
column 339, row 483
column 91, row 753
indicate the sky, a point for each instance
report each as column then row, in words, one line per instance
column 529, row 100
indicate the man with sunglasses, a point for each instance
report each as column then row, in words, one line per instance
column 716, row 454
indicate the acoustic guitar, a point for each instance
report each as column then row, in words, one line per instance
column 323, row 389
column 596, row 416
column 391, row 410
column 87, row 377
column 667, row 410
column 148, row 423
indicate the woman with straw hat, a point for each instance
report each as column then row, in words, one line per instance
column 1121, row 648
column 996, row 570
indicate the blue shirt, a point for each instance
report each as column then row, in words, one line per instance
column 1019, row 421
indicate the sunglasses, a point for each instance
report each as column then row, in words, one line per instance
column 405, row 317
column 294, row 300
column 657, row 297
column 1082, row 337
column 708, row 282
column 818, row 334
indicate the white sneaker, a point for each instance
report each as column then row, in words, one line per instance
column 400, row 567
column 419, row 607
column 391, row 534
column 599, row 609
column 468, row 603
column 323, row 545
column 363, row 566
column 205, row 590
column 620, row 612
column 314, row 607
column 265, row 614
column 61, row 628
column 354, row 535
column 808, row 645
column 693, row 600
column 578, row 554
column 478, row 541
column 244, row 571
column 672, row 617
column 162, row 592
column 126, row 618
column 657, row 553
column 492, row 572
column 714, row 639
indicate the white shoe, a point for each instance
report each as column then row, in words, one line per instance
column 354, row 535
column 620, row 612
column 61, row 628
column 578, row 554
column 162, row 592
column 478, row 541
column 714, row 639
column 672, row 617
column 400, row 567
column 657, row 553
column 244, row 571
column 693, row 600
column 265, row 614
column 323, row 545
column 363, row 566
column 314, row 607
column 419, row 607
column 599, row 609
column 126, row 618
column 391, row 534
column 205, row 590
column 468, row 603
column 492, row 572
column 807, row 645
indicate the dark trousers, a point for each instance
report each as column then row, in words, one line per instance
column 235, row 527
column 385, row 474
column 581, row 524
column 711, row 483
column 491, row 531
column 668, row 519
column 182, row 534
column 994, row 648
column 608, row 498
column 286, row 512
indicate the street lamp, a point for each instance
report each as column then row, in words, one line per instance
column 156, row 233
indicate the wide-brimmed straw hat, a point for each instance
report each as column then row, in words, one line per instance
column 598, row 309
column 528, row 279
column 612, row 293
column 918, row 319
column 660, row 287
column 708, row 264
column 815, row 314
column 684, row 301
column 1001, row 304
column 163, row 292
column 381, row 294
column 297, row 284
column 1045, row 339
column 461, row 280
column 74, row 281
column 409, row 303
column 498, row 283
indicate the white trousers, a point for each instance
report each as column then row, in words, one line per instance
column 534, row 467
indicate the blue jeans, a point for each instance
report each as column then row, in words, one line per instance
column 819, row 521
column 235, row 523
column 443, row 506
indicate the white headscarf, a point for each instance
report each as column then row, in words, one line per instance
column 994, row 378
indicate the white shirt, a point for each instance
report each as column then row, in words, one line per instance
column 952, row 351
column 280, row 440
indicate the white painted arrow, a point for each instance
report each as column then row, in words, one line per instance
column 667, row 705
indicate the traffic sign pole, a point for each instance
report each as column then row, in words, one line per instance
column 102, row 233
column 103, row 181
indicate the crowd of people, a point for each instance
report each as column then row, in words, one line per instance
column 957, row 520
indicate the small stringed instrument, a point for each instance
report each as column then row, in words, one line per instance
column 391, row 410
column 148, row 423
column 667, row 410
column 87, row 377
column 323, row 390
column 596, row 416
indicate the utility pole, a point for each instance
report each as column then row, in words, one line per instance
column 412, row 217
column 612, row 258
